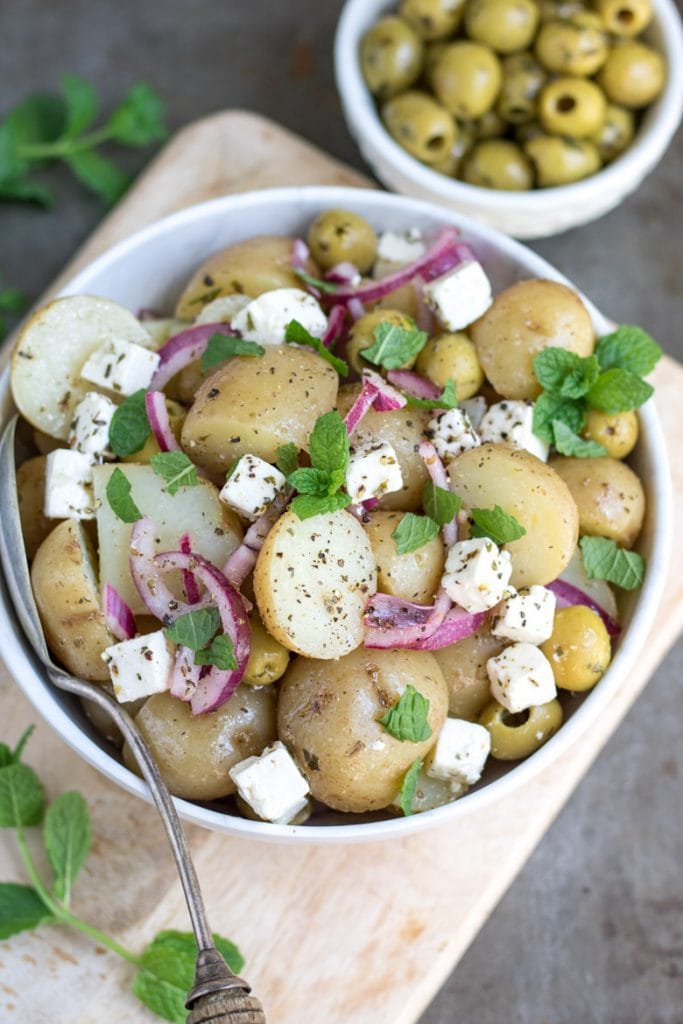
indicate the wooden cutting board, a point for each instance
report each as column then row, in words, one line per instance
column 351, row 935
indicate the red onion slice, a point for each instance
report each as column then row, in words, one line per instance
column 567, row 594
column 457, row 625
column 183, row 349
column 428, row 619
column 343, row 273
column 117, row 615
column 364, row 402
column 387, row 397
column 243, row 559
column 159, row 600
column 189, row 582
column 335, row 326
column 413, row 384
column 356, row 308
column 439, row 478
column 300, row 254
column 157, row 414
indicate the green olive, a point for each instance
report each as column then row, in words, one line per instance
column 625, row 17
column 523, row 79
column 516, row 736
column 268, row 659
column 577, row 46
column 617, row 432
column 526, row 132
column 419, row 124
column 362, row 335
column 560, row 10
column 489, row 126
column 336, row 236
column 573, row 107
column 433, row 19
column 448, row 166
column 452, row 357
column 616, row 133
column 500, row 164
column 466, row 78
column 633, row 75
column 390, row 57
column 561, row 161
column 579, row 649
column 504, row 25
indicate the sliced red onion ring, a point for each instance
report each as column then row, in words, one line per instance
column 343, row 273
column 189, row 582
column 567, row 594
column 428, row 619
column 356, row 308
column 387, row 397
column 335, row 326
column 393, row 612
column 157, row 414
column 117, row 615
column 361, row 510
column 439, row 478
column 413, row 384
column 183, row 349
column 300, row 254
column 457, row 625
column 159, row 600
column 243, row 559
column 364, row 402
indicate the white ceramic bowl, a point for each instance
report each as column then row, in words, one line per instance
column 149, row 269
column 532, row 214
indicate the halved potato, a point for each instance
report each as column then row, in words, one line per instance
column 35, row 526
column 52, row 349
column 312, row 581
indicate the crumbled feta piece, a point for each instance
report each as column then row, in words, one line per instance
column 89, row 430
column 395, row 250
column 526, row 616
column 511, row 422
column 141, row 666
column 475, row 409
column 477, row 574
column 460, row 752
column 222, row 309
column 121, row 366
column 521, row 677
column 265, row 318
column 373, row 470
column 452, row 433
column 461, row 296
column 251, row 486
column 271, row 784
column 68, row 485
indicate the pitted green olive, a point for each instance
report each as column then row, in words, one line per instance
column 420, row 125
column 633, row 75
column 616, row 132
column 575, row 46
column 561, row 161
column 391, row 57
column 516, row 736
column 466, row 78
column 523, row 79
column 504, row 25
column 573, row 107
column 499, row 164
column 433, row 19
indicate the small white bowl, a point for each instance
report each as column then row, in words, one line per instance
column 533, row 214
column 149, row 269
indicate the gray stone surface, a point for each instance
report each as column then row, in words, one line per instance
column 592, row 930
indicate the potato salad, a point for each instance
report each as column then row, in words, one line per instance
column 346, row 527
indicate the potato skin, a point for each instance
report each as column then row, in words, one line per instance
column 522, row 321
column 67, row 595
column 194, row 752
column 608, row 495
column 31, row 492
column 534, row 494
column 328, row 716
column 257, row 404
column 413, row 577
column 464, row 669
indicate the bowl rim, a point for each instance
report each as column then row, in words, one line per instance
column 365, row 125
column 25, row 668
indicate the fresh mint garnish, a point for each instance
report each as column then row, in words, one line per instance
column 67, row 836
column 222, row 346
column 407, row 720
column 176, row 468
column 394, row 346
column 220, row 652
column 629, row 348
column 194, row 629
column 287, row 458
column 414, row 532
column 440, row 505
column 118, row 493
column 319, row 485
column 549, row 409
column 305, row 506
column 129, row 427
column 446, row 400
column 565, row 374
column 604, row 560
column 296, row 334
column 327, row 287
column 409, row 785
column 496, row 524
column 569, row 443
column 618, row 390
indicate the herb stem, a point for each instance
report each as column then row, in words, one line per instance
column 63, row 147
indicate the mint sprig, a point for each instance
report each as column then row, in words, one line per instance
column 603, row 559
column 618, row 390
column 129, row 427
column 409, row 785
column 440, row 505
column 319, row 485
column 407, row 719
column 569, row 443
column 194, row 629
column 220, row 653
column 496, row 524
column 287, row 458
column 222, row 346
column 296, row 334
column 176, row 468
column 629, row 348
column 413, row 532
column 118, row 492
column 394, row 346
column 446, row 400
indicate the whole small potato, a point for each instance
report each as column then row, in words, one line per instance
column 328, row 715
column 101, row 718
column 31, row 494
column 363, row 335
column 414, row 576
column 522, row 321
column 579, row 649
column 268, row 659
column 452, row 357
column 338, row 236
column 617, row 432
column 194, row 752
column 464, row 669
column 608, row 495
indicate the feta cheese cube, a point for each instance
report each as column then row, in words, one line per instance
column 395, row 250
column 452, row 433
column 521, row 677
column 141, row 666
column 121, row 366
column 222, row 309
column 461, row 296
column 477, row 574
column 527, row 616
column 89, row 430
column 68, row 485
column 475, row 409
column 373, row 470
column 271, row 784
column 251, row 486
column 460, row 752
column 511, row 423
column 265, row 318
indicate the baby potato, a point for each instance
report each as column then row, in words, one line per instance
column 608, row 495
column 534, row 494
column 617, row 432
column 328, row 715
column 414, row 576
column 250, row 267
column 522, row 321
column 65, row 586
column 362, row 335
column 464, row 668
column 31, row 493
column 268, row 659
column 254, row 405
column 452, row 357
column 194, row 752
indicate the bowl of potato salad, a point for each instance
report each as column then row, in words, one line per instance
column 359, row 508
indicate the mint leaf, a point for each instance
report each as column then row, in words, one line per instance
column 5, row 755
column 195, row 629
column 618, row 390
column 550, row 408
column 287, row 460
column 409, row 785
column 67, row 836
column 222, row 347
column 307, row 505
column 296, row 333
column 21, row 796
column 446, row 400
column 328, row 287
column 176, row 468
column 119, row 497
column 220, row 652
column 407, row 720
column 569, row 443
column 329, row 443
column 81, row 105
column 129, row 427
column 564, row 373
column 629, row 348
column 12, row 300
column 414, row 532
column 139, row 118
column 21, row 909
column 394, row 346
column 604, row 560
column 99, row 174
column 439, row 504
column 23, row 740
column 499, row 526
column 311, row 481
column 26, row 190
